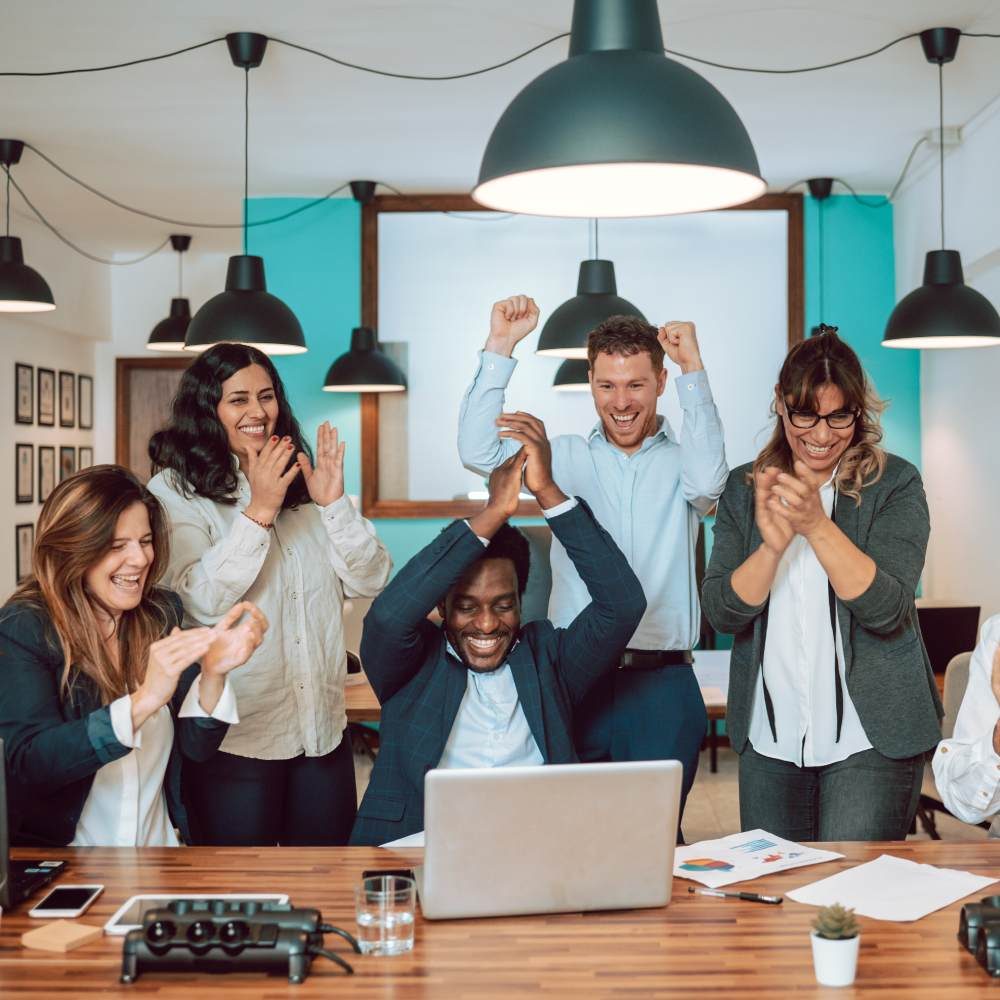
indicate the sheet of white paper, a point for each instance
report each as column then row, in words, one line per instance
column 413, row 840
column 743, row 856
column 891, row 888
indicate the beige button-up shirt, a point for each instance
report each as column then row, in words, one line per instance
column 291, row 691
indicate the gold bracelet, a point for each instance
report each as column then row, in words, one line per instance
column 260, row 524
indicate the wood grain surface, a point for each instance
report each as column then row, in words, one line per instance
column 696, row 947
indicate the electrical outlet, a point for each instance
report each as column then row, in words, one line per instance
column 951, row 135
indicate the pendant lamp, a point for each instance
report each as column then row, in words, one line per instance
column 944, row 311
column 820, row 188
column 573, row 375
column 22, row 288
column 364, row 368
column 565, row 333
column 617, row 129
column 246, row 313
column 168, row 334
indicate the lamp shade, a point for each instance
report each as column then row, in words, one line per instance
column 169, row 333
column 618, row 129
column 943, row 311
column 22, row 288
column 246, row 313
column 364, row 368
column 566, row 330
column 573, row 375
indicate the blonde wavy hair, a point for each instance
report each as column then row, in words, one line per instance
column 826, row 360
column 76, row 530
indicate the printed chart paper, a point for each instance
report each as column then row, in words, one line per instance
column 891, row 888
column 743, row 856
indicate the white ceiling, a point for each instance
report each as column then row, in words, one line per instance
column 167, row 136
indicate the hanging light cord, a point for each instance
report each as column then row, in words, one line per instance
column 485, row 69
column 7, row 172
column 246, row 153
column 941, row 141
column 83, row 253
column 822, row 309
column 180, row 274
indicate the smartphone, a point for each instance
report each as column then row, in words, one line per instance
column 66, row 901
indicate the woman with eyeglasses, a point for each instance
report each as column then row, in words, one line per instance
column 818, row 548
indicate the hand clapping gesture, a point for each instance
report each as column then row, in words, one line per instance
column 511, row 320
column 795, row 500
column 680, row 343
column 530, row 432
column 325, row 482
column 234, row 639
column 505, row 486
column 775, row 532
column 270, row 475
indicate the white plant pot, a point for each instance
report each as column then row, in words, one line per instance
column 835, row 961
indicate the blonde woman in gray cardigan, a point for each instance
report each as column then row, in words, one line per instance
column 818, row 548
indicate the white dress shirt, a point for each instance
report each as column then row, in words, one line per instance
column 650, row 502
column 966, row 767
column 291, row 691
column 799, row 649
column 127, row 806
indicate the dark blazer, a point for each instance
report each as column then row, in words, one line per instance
column 420, row 684
column 54, row 748
column 889, row 675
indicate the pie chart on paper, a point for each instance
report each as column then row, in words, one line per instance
column 705, row 865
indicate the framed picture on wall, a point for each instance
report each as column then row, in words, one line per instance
column 24, row 543
column 24, row 394
column 85, row 402
column 67, row 462
column 46, row 397
column 85, row 458
column 24, row 473
column 67, row 399
column 46, row 471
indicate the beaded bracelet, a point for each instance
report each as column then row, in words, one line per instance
column 261, row 524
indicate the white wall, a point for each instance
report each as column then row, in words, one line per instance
column 62, row 340
column 960, row 389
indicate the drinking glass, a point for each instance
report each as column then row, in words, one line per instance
column 384, row 907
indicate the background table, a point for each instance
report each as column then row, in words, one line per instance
column 697, row 946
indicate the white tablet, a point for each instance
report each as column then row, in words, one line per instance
column 129, row 914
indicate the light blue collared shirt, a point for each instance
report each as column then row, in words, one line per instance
column 650, row 502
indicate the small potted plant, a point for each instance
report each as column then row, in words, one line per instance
column 836, row 937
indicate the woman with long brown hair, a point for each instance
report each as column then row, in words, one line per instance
column 818, row 548
column 100, row 689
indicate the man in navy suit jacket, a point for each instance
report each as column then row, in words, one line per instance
column 482, row 690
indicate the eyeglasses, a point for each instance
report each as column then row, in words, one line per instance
column 839, row 420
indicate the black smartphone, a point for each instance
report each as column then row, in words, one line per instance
column 399, row 872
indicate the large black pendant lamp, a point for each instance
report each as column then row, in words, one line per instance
column 943, row 311
column 820, row 188
column 573, row 375
column 169, row 333
column 246, row 313
column 618, row 129
column 365, row 367
column 22, row 288
column 565, row 333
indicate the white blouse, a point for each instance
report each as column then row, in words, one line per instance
column 799, row 650
column 127, row 806
column 291, row 691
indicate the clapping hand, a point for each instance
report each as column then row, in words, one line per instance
column 234, row 639
column 680, row 343
column 775, row 531
column 269, row 478
column 325, row 482
column 795, row 500
column 505, row 486
column 511, row 320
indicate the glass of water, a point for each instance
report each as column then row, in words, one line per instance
column 384, row 906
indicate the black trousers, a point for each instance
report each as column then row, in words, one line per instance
column 244, row 802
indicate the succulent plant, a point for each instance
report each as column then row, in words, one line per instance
column 836, row 923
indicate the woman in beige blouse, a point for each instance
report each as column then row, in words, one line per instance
column 253, row 516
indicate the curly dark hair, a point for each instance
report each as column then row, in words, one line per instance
column 509, row 543
column 625, row 335
column 194, row 444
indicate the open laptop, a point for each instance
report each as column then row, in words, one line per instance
column 18, row 879
column 560, row 838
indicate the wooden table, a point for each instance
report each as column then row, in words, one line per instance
column 362, row 705
column 697, row 946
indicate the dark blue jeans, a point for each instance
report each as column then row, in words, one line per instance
column 644, row 715
column 865, row 797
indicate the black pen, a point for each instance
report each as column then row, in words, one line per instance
column 751, row 897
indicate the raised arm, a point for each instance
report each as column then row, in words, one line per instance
column 703, row 445
column 479, row 447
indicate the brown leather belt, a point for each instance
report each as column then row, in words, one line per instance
column 651, row 659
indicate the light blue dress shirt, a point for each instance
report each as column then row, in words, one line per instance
column 650, row 502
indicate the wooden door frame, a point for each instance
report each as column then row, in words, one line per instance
column 123, row 402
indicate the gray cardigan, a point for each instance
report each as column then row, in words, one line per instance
column 889, row 676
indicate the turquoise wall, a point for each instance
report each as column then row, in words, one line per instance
column 313, row 263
